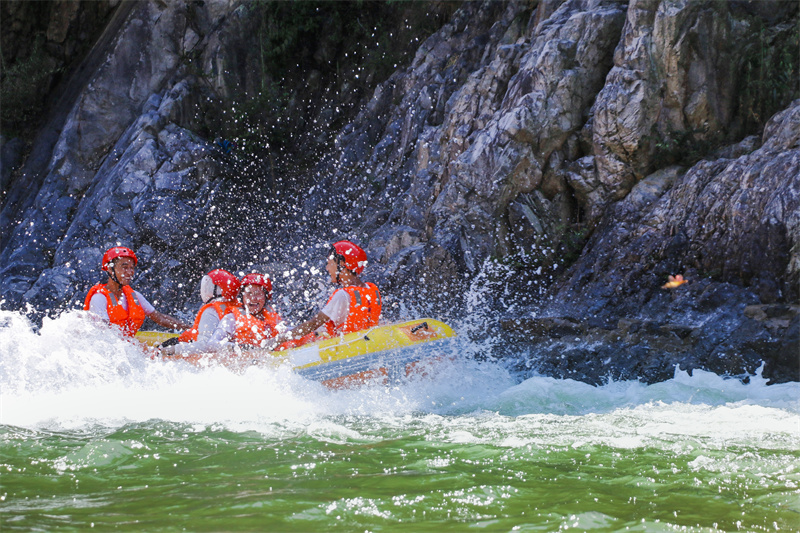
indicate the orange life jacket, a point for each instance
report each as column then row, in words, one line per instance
column 222, row 309
column 365, row 309
column 130, row 319
column 251, row 330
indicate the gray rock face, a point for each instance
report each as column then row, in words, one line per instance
column 153, row 189
column 518, row 132
column 105, row 179
column 667, row 77
column 729, row 219
column 522, row 147
column 724, row 225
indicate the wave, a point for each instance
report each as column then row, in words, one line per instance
column 72, row 373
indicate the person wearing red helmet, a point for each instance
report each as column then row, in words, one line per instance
column 250, row 324
column 353, row 307
column 218, row 290
column 255, row 322
column 116, row 302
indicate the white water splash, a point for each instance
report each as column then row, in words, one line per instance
column 73, row 374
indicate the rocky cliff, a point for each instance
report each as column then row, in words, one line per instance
column 541, row 167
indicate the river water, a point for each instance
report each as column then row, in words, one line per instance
column 95, row 435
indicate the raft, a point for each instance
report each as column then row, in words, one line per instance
column 385, row 353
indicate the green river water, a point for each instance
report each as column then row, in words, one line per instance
column 116, row 442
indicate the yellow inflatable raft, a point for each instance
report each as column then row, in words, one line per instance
column 382, row 353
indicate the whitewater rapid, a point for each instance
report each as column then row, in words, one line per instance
column 73, row 373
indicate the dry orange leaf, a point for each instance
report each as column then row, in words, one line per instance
column 674, row 281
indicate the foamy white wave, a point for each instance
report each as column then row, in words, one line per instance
column 73, row 374
column 565, row 396
column 70, row 351
column 680, row 428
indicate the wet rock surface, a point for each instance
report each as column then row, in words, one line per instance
column 545, row 166
column 737, row 338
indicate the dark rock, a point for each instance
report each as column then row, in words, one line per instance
column 552, row 327
column 10, row 160
column 515, row 127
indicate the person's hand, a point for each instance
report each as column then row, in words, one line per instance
column 166, row 350
column 150, row 351
column 269, row 344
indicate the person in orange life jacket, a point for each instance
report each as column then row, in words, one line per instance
column 252, row 324
column 218, row 290
column 355, row 306
column 116, row 302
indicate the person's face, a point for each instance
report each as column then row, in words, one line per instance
column 332, row 269
column 254, row 298
column 124, row 268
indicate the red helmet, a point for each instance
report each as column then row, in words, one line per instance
column 219, row 283
column 257, row 279
column 115, row 252
column 354, row 257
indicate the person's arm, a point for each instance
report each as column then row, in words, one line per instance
column 168, row 321
column 159, row 318
column 220, row 338
column 336, row 310
column 304, row 329
column 98, row 306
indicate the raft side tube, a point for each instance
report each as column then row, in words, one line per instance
column 390, row 352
